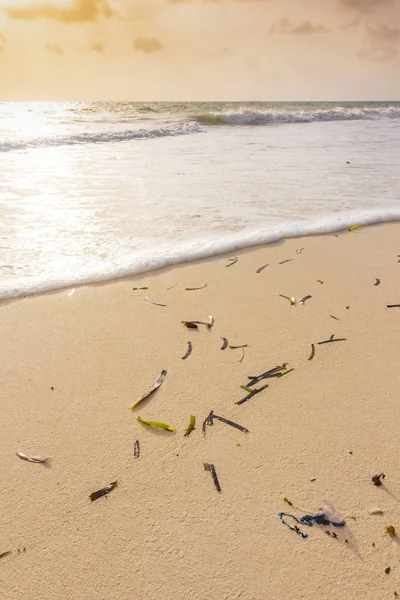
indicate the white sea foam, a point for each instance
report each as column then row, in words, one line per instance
column 275, row 116
column 150, row 260
column 15, row 143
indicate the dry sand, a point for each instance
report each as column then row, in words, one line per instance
column 165, row 532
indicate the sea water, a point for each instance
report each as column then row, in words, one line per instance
column 91, row 192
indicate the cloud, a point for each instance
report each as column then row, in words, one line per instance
column 2, row 42
column 381, row 43
column 54, row 49
column 285, row 27
column 93, row 46
column 147, row 45
column 78, row 11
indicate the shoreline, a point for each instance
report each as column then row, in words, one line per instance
column 28, row 285
column 73, row 365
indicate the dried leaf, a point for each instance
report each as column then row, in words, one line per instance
column 156, row 424
column 3, row 554
column 331, row 339
column 224, row 344
column 320, row 281
column 353, row 227
column 193, row 324
column 289, row 298
column 261, row 268
column 251, row 394
column 231, row 423
column 238, row 347
column 196, row 288
column 267, row 375
column 188, row 352
column 312, row 352
column 211, row 468
column 103, row 492
column 32, row 459
column 191, row 425
column 303, row 300
column 285, row 373
column 139, row 288
column 286, row 261
column 377, row 281
column 393, row 305
column 333, row 317
column 209, row 420
column 151, row 390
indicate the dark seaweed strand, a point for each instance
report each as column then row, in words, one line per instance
column 136, row 449
column 331, row 341
column 253, row 393
column 189, row 351
column 225, row 343
column 267, row 375
column 393, row 305
column 261, row 268
column 231, row 423
column 211, row 468
column 103, row 492
column 209, row 420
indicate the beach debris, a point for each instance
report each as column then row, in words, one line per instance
column 288, row 501
column 333, row 317
column 347, row 307
column 262, row 268
column 209, row 420
column 376, row 479
column 286, row 261
column 156, row 424
column 242, row 355
column 393, row 305
column 304, row 300
column 390, row 530
column 3, row 554
column 312, row 352
column 188, row 352
column 238, row 347
column 151, row 390
column 224, row 343
column 150, row 301
column 285, row 373
column 139, row 288
column 395, row 594
column 172, row 286
column 194, row 324
column 267, row 375
column 289, row 298
column 211, row 468
column 195, row 288
column 299, row 251
column 246, row 388
column 387, row 570
column 231, row 423
column 320, row 281
column 32, row 459
column 232, row 261
column 191, row 425
column 376, row 511
column 377, row 281
column 332, row 339
column 348, row 162
column 353, row 227
column 103, row 492
column 251, row 394
column 136, row 449
column 191, row 325
column 313, row 479
column 327, row 517
column 71, row 292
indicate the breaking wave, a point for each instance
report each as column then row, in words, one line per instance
column 276, row 116
column 98, row 137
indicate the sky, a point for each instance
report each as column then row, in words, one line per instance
column 165, row 50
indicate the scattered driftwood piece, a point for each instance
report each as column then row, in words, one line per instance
column 150, row 301
column 191, row 425
column 224, row 343
column 188, row 352
column 253, row 393
column 332, row 339
column 151, row 390
column 189, row 289
column 211, row 468
column 231, row 423
column 262, row 268
column 267, row 375
column 32, row 459
column 136, row 449
column 103, row 492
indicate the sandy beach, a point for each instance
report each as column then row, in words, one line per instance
column 74, row 363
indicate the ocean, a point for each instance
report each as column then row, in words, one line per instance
column 95, row 191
